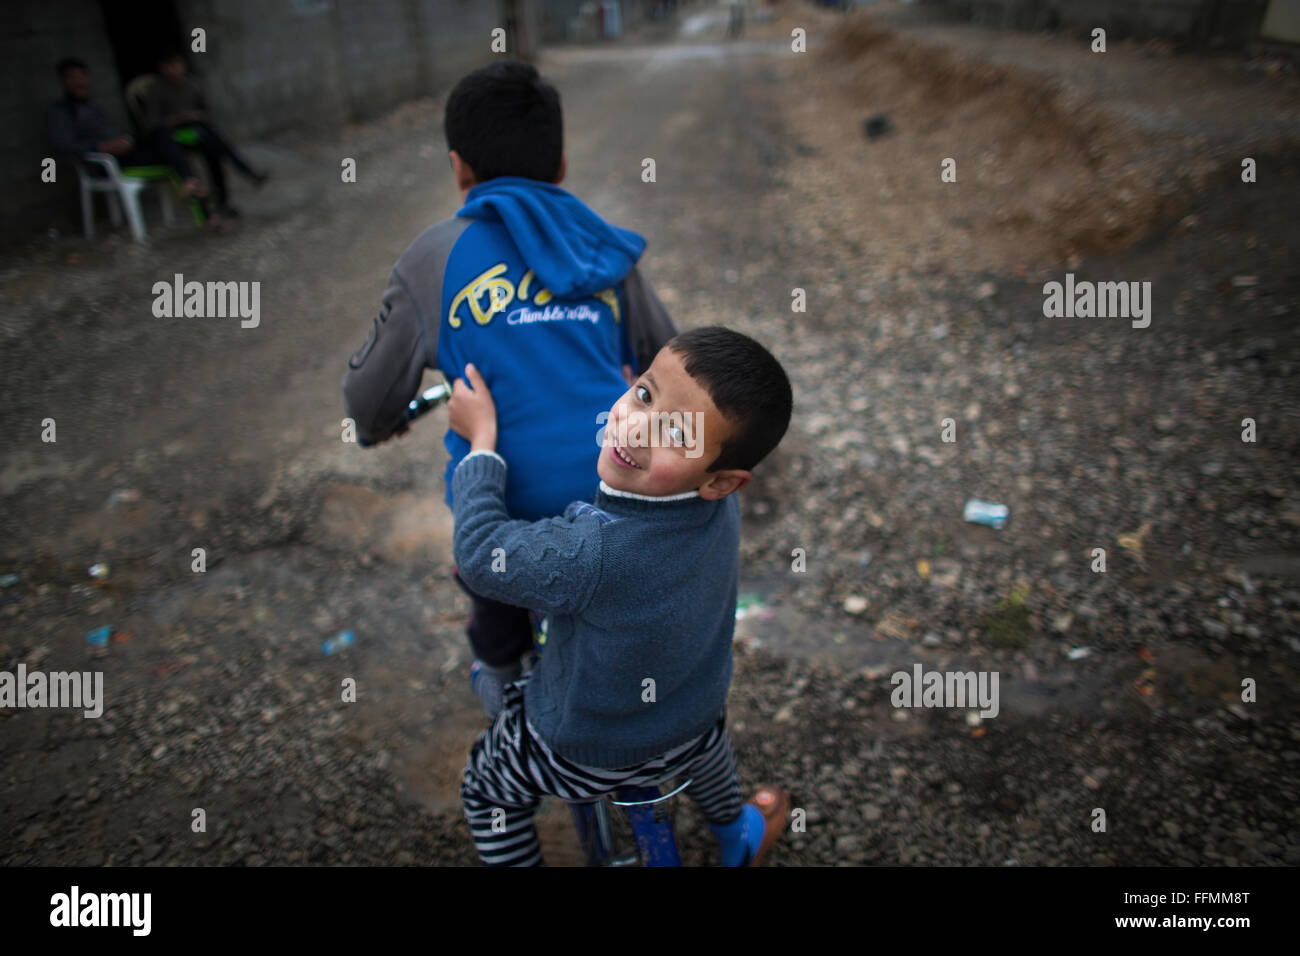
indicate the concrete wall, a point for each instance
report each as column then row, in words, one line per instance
column 316, row 63
column 1282, row 22
column 270, row 66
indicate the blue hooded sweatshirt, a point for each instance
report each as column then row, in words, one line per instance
column 533, row 295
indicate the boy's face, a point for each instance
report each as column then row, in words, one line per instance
column 668, row 427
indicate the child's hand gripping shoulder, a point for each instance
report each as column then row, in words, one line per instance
column 473, row 414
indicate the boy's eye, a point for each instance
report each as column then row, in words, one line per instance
column 646, row 396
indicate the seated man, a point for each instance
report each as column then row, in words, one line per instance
column 77, row 127
column 175, row 105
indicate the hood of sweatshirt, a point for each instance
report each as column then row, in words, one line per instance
column 571, row 250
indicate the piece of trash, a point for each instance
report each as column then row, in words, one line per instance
column 1133, row 540
column 99, row 636
column 1079, row 653
column 8, row 580
column 99, row 571
column 1061, row 622
column 877, row 126
column 985, row 513
column 979, row 732
column 1146, row 655
column 751, row 605
column 121, row 637
column 123, row 496
column 973, row 718
column 923, row 569
column 855, row 604
column 339, row 642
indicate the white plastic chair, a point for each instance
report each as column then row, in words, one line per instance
column 123, row 195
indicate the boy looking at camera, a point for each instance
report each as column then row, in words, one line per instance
column 640, row 587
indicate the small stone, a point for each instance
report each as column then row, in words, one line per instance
column 848, row 845
column 871, row 812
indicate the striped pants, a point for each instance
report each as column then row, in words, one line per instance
column 510, row 770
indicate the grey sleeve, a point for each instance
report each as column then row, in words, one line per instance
column 385, row 373
column 649, row 326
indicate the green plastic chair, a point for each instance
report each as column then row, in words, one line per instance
column 161, row 171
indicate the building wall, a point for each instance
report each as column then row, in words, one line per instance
column 1282, row 22
column 269, row 66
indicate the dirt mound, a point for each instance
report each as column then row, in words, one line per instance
column 1041, row 174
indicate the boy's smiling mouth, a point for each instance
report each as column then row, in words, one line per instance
column 620, row 457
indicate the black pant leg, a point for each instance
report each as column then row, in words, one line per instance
column 500, row 634
column 164, row 150
column 209, row 134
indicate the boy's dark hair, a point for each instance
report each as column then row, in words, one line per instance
column 505, row 120
column 167, row 54
column 69, row 63
column 748, row 386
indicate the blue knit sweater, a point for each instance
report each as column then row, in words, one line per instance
column 638, row 589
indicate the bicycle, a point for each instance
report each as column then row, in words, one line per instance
column 603, row 824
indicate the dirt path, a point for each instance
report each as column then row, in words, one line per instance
column 922, row 304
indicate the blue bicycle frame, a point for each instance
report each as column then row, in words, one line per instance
column 647, row 810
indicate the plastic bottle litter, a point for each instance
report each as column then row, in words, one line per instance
column 99, row 636
column 986, row 513
column 339, row 642
column 99, row 571
column 751, row 605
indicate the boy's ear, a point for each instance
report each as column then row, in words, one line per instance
column 724, row 483
column 564, row 168
column 461, row 172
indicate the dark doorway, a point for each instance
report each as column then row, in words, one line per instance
column 141, row 31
